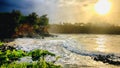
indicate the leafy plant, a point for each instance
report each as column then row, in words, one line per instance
column 9, row 56
column 40, row 56
column 29, row 65
column 37, row 54
column 1, row 43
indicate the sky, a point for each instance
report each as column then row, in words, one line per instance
column 73, row 11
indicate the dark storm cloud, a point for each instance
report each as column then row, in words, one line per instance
column 4, row 5
column 9, row 5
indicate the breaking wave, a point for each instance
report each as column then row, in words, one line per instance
column 70, row 51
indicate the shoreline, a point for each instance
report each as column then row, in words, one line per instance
column 58, row 46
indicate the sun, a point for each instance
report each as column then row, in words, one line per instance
column 102, row 7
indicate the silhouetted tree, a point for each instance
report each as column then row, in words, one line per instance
column 43, row 25
column 15, row 20
column 32, row 18
column 43, row 20
column 8, row 24
column 16, row 16
column 15, row 24
column 89, row 28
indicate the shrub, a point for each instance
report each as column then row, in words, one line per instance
column 8, row 56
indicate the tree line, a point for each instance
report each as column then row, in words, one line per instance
column 15, row 24
column 85, row 28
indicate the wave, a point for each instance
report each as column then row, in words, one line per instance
column 63, row 47
column 110, row 58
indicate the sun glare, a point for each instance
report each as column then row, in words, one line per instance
column 101, row 40
column 102, row 7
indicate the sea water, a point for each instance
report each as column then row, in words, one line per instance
column 76, row 50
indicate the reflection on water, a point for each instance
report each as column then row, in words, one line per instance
column 100, row 41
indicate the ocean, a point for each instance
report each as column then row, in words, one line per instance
column 78, row 50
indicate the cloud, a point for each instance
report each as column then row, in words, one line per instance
column 62, row 10
column 57, row 10
column 9, row 5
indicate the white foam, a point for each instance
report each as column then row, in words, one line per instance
column 65, row 47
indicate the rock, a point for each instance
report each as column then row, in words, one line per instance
column 110, row 58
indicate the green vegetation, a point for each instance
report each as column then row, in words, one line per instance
column 31, row 65
column 37, row 54
column 15, row 24
column 85, row 28
column 40, row 56
column 1, row 43
column 9, row 55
